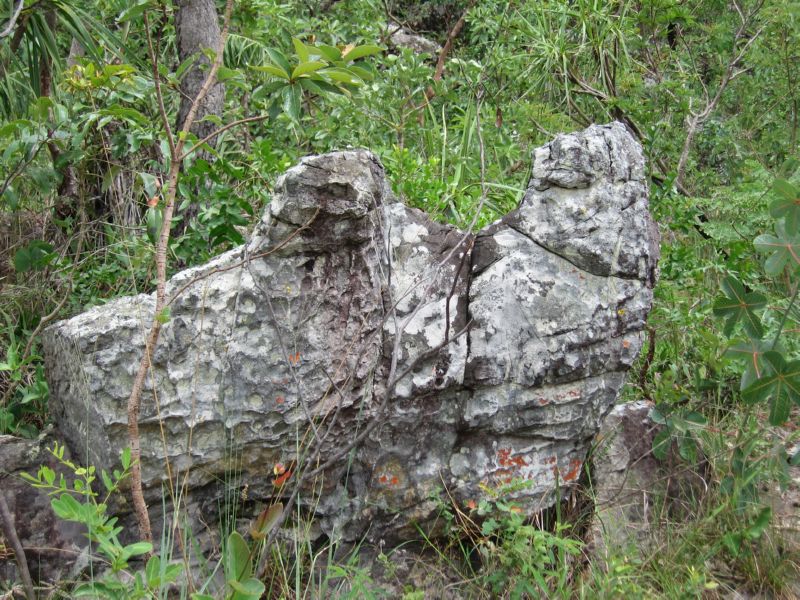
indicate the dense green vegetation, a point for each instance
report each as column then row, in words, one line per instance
column 89, row 169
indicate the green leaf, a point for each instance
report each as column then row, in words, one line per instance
column 163, row 316
column 123, row 113
column 107, row 483
column 687, row 448
column 238, row 564
column 291, row 101
column 752, row 352
column 330, row 53
column 279, row 60
column 126, row 459
column 265, row 90
column 783, row 247
column 661, row 444
column 737, row 305
column 66, row 507
column 154, row 218
column 361, row 52
column 250, row 589
column 657, row 415
column 272, row 70
column 787, row 204
column 341, row 75
column 133, row 12
column 307, row 67
column 760, row 523
column 33, row 257
column 301, row 50
column 266, row 521
column 781, row 387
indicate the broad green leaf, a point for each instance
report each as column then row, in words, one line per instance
column 250, row 589
column 783, row 247
column 279, row 59
column 330, row 53
column 124, row 113
column 291, row 101
column 751, row 351
column 272, row 70
column 154, row 218
column 661, row 444
column 781, row 387
column 737, row 305
column 341, row 74
column 760, row 523
column 238, row 563
column 150, row 183
column 265, row 90
column 687, row 448
column 363, row 74
column 133, row 12
column 787, row 204
column 33, row 257
column 362, row 51
column 307, row 67
column 266, row 521
column 321, row 87
column 657, row 415
column 138, row 548
column 301, row 50
column 66, row 507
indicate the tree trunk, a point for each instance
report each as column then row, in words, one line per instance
column 197, row 26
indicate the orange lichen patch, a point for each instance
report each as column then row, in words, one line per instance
column 626, row 344
column 574, row 470
column 294, row 359
column 390, row 474
column 543, row 401
column 550, row 460
column 472, row 505
column 505, row 459
column 280, row 400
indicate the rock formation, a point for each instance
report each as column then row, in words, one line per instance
column 374, row 357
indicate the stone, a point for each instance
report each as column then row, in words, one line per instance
column 632, row 490
column 376, row 358
column 55, row 549
column 403, row 38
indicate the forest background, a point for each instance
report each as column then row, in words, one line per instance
column 102, row 140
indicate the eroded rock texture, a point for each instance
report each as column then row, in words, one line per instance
column 453, row 360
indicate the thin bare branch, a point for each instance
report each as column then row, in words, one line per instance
column 157, row 82
column 13, row 21
column 222, row 129
column 10, row 533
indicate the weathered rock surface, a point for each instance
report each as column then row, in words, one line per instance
column 402, row 38
column 55, row 549
column 631, row 488
column 453, row 360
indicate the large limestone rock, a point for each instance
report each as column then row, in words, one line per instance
column 379, row 356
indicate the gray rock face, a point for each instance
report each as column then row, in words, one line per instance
column 376, row 355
